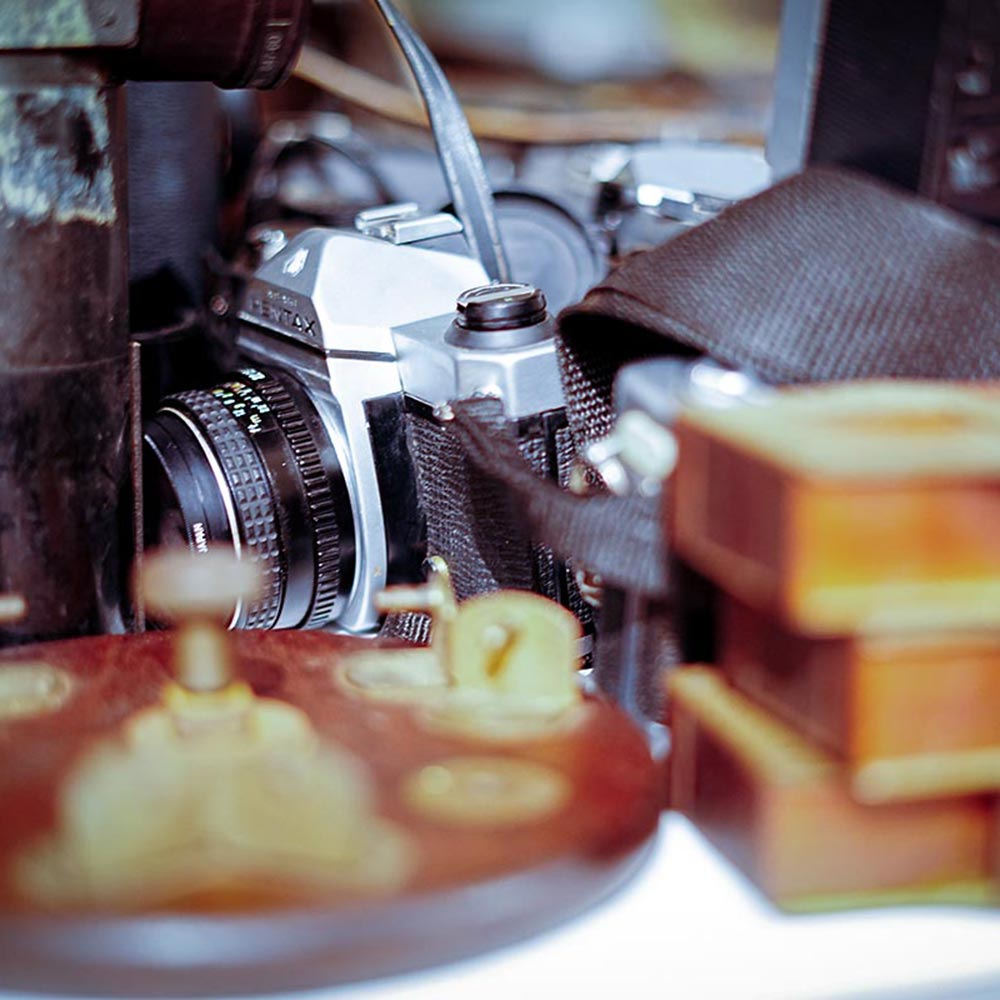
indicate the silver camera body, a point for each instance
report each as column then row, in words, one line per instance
column 363, row 334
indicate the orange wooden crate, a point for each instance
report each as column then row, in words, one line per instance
column 780, row 810
column 913, row 716
column 865, row 507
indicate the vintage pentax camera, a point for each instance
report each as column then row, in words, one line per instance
column 327, row 458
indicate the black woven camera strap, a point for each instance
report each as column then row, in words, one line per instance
column 824, row 277
column 613, row 537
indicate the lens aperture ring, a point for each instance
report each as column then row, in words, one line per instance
column 251, row 490
column 320, row 503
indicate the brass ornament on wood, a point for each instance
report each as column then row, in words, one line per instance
column 486, row 791
column 500, row 667
column 244, row 789
column 213, row 788
column 28, row 688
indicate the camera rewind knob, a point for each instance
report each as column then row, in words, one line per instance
column 501, row 307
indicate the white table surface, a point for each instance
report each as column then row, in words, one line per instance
column 690, row 926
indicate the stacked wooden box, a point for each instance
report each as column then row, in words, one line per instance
column 846, row 748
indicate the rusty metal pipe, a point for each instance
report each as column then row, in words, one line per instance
column 64, row 371
column 63, row 344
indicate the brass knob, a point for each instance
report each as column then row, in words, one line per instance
column 13, row 607
column 199, row 594
column 436, row 598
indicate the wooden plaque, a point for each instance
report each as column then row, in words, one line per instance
column 473, row 878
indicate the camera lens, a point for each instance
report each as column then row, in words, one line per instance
column 249, row 464
column 233, row 43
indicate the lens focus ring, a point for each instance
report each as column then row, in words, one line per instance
column 248, row 483
column 320, row 505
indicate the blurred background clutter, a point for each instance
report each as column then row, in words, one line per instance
column 478, row 475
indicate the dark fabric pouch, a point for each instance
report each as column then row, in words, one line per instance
column 827, row 276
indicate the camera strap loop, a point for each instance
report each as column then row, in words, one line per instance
column 619, row 539
column 458, row 151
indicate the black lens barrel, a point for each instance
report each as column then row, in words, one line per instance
column 249, row 463
column 232, row 43
column 320, row 492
